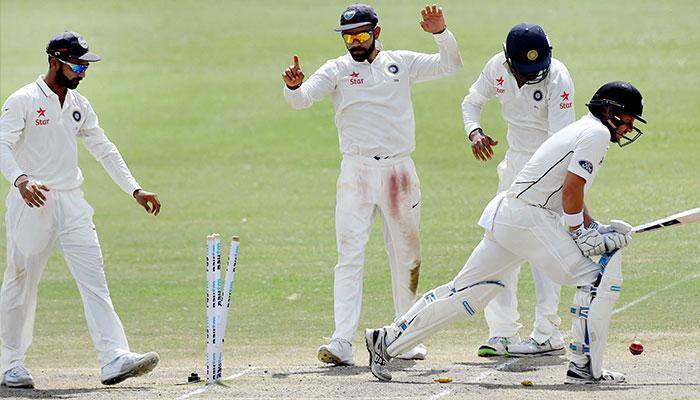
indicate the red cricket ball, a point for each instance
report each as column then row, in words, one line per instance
column 636, row 348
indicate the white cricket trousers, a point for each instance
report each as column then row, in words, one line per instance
column 366, row 187
column 64, row 222
column 502, row 312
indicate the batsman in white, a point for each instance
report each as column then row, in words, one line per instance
column 39, row 127
column 537, row 99
column 524, row 223
column 371, row 92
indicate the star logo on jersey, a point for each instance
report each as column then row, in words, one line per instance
column 499, row 82
column 565, row 102
column 355, row 78
column 41, row 113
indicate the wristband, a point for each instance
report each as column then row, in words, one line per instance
column 476, row 130
column 574, row 219
column 16, row 182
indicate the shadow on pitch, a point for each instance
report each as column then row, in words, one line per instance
column 574, row 388
column 330, row 370
column 66, row 393
column 523, row 364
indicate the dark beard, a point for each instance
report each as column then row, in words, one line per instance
column 360, row 54
column 63, row 80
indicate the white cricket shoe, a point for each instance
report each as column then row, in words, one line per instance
column 576, row 375
column 375, row 339
column 497, row 346
column 18, row 378
column 337, row 352
column 127, row 366
column 530, row 348
column 417, row 353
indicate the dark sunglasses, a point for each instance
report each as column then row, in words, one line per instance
column 76, row 68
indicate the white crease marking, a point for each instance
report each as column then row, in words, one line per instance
column 651, row 294
column 442, row 394
column 477, row 379
column 205, row 388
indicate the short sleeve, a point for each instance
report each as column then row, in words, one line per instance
column 589, row 151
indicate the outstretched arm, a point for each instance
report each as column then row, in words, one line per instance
column 108, row 155
column 300, row 94
column 425, row 67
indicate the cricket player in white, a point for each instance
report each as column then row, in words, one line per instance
column 536, row 94
column 371, row 92
column 39, row 128
column 524, row 223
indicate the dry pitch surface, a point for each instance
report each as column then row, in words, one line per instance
column 654, row 374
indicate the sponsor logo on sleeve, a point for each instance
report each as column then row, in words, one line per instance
column 587, row 165
column 565, row 102
column 41, row 113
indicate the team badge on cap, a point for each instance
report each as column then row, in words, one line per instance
column 349, row 14
column 532, row 55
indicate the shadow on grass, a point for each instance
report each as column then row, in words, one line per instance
column 66, row 393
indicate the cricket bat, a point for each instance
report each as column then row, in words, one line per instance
column 684, row 217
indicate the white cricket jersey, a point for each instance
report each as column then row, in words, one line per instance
column 532, row 112
column 38, row 138
column 373, row 108
column 578, row 148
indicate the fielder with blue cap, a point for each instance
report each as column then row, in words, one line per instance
column 537, row 99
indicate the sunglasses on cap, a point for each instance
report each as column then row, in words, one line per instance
column 360, row 37
column 76, row 68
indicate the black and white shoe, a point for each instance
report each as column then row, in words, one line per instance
column 375, row 339
column 576, row 375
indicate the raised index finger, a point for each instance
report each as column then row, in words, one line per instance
column 296, row 61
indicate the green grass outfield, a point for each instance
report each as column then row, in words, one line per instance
column 191, row 93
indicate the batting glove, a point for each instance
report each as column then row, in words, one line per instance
column 616, row 225
column 616, row 240
column 589, row 241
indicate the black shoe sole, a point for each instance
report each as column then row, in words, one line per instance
column 28, row 386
